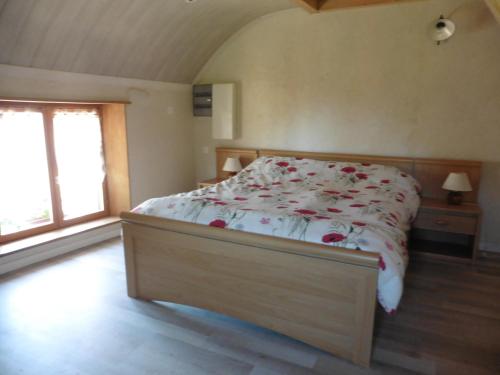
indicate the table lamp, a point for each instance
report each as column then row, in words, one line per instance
column 456, row 184
column 232, row 165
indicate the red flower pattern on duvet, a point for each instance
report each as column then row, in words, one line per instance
column 333, row 237
column 348, row 169
column 334, row 210
column 357, row 205
column 381, row 263
column 282, row 164
column 361, row 176
column 305, row 212
column 218, row 223
column 359, row 223
column 331, row 191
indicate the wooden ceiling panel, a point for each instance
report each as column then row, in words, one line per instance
column 166, row 40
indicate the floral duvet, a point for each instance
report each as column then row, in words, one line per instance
column 357, row 206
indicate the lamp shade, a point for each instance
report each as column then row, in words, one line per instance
column 457, row 182
column 232, row 165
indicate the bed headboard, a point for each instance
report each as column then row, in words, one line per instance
column 431, row 173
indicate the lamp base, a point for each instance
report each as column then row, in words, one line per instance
column 455, row 198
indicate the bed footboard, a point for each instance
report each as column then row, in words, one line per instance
column 317, row 294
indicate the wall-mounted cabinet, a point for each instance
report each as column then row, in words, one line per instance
column 223, row 111
column 202, row 100
column 219, row 102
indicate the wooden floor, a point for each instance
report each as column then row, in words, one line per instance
column 73, row 316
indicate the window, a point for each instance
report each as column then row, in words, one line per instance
column 52, row 167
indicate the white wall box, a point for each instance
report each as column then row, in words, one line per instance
column 223, row 111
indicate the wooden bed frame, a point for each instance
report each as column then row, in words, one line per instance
column 322, row 295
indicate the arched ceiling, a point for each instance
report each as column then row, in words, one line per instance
column 163, row 40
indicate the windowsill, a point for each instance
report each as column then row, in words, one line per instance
column 40, row 239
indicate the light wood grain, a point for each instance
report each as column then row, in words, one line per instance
column 339, row 254
column 61, row 101
column 445, row 223
column 321, row 295
column 114, row 135
column 449, row 227
column 431, row 173
column 439, row 205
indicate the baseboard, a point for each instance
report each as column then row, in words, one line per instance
column 489, row 247
column 36, row 254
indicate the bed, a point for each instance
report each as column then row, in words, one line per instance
column 222, row 248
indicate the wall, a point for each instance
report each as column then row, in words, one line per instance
column 368, row 81
column 159, row 121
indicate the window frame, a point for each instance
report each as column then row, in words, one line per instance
column 47, row 110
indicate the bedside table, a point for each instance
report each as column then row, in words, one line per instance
column 210, row 182
column 445, row 231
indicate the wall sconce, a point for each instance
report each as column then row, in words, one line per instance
column 442, row 29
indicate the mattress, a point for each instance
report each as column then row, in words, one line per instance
column 365, row 207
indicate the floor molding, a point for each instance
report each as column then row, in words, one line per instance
column 36, row 254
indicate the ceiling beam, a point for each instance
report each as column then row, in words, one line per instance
column 311, row 6
column 315, row 6
column 342, row 4
column 494, row 6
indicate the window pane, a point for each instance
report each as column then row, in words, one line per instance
column 78, row 149
column 25, row 200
